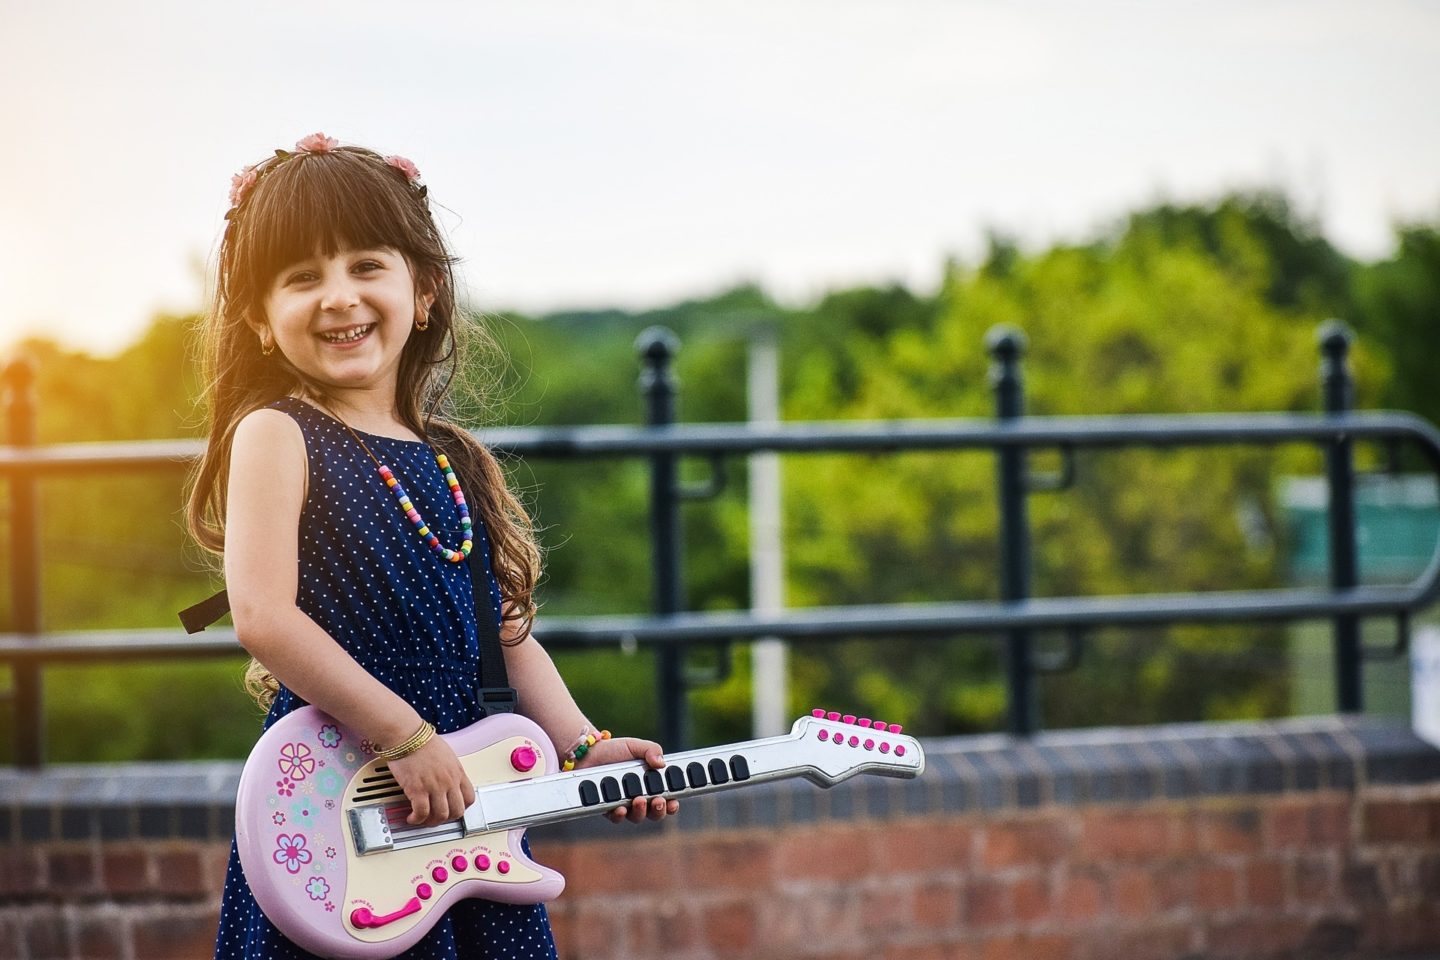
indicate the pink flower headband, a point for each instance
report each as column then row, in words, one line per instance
column 243, row 182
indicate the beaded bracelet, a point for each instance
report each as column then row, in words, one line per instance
column 417, row 740
column 582, row 746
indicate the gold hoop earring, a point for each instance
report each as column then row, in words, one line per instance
column 267, row 347
column 422, row 320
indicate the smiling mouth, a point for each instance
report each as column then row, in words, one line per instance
column 347, row 336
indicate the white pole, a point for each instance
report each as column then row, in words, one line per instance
column 769, row 669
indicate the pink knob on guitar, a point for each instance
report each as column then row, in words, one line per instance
column 523, row 759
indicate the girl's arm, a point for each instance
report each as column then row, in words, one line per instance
column 266, row 491
column 545, row 699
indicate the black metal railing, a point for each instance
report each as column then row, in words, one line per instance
column 1016, row 616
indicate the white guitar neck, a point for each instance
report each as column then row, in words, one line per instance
column 804, row 752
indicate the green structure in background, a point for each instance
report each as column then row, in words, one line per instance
column 1398, row 523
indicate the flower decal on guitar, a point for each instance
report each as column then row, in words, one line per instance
column 329, row 736
column 317, row 888
column 290, row 852
column 296, row 761
column 330, row 783
column 302, row 813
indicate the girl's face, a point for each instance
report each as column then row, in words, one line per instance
column 343, row 320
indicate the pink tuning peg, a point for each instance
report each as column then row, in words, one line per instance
column 848, row 718
column 863, row 721
column 895, row 728
column 818, row 713
column 878, row 725
column 832, row 715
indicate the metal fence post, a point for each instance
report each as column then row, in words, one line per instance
column 657, row 347
column 1006, row 345
column 18, row 385
column 1339, row 397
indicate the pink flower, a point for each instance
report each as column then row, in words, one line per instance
column 412, row 172
column 317, row 143
column 241, row 183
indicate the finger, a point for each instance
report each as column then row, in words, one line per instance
column 618, row 814
column 457, row 805
column 638, row 806
column 672, row 808
column 467, row 792
column 419, row 810
column 657, row 808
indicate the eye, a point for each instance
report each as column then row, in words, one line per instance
column 300, row 276
column 369, row 265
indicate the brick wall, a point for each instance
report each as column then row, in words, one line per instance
column 1296, row 839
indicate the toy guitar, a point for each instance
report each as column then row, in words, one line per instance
column 320, row 822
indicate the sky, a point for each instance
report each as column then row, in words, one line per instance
column 633, row 153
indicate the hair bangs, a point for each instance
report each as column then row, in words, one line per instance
column 321, row 205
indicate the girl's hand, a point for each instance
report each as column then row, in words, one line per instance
column 435, row 784
column 618, row 750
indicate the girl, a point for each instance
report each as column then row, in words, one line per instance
column 331, row 344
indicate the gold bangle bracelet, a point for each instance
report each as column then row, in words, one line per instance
column 417, row 740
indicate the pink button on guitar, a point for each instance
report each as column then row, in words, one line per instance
column 440, row 874
column 523, row 759
column 458, row 864
column 424, row 891
column 482, row 862
column 503, row 866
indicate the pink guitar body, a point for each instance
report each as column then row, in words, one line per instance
column 297, row 841
column 320, row 822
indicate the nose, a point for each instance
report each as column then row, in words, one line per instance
column 339, row 293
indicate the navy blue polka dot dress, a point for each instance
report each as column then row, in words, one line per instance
column 408, row 617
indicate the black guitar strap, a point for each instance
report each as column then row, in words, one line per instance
column 497, row 696
column 207, row 611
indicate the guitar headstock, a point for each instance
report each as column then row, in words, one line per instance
column 838, row 746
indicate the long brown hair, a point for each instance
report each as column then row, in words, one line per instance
column 308, row 203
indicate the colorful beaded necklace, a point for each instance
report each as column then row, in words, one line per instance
column 426, row 534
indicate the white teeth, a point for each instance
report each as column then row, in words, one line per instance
column 348, row 335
